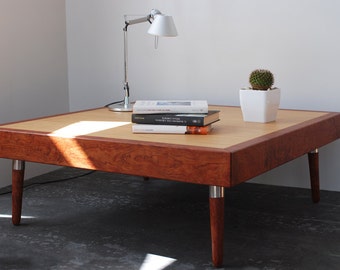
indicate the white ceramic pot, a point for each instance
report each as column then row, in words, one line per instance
column 259, row 106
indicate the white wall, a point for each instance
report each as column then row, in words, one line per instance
column 220, row 42
column 33, row 66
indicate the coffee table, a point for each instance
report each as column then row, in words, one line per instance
column 234, row 152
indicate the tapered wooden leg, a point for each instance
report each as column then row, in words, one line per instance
column 18, row 171
column 313, row 160
column 216, row 201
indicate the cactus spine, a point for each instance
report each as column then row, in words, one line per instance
column 261, row 79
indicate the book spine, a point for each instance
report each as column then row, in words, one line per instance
column 169, row 129
column 159, row 119
column 198, row 130
column 170, row 106
column 154, row 110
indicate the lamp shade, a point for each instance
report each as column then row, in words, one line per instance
column 163, row 25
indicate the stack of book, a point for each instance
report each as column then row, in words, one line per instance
column 173, row 116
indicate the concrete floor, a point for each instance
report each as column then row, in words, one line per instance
column 113, row 221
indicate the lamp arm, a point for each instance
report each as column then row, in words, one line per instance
column 126, row 84
column 139, row 20
column 147, row 18
column 126, row 106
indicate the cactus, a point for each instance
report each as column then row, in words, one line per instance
column 261, row 79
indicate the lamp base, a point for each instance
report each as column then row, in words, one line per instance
column 121, row 107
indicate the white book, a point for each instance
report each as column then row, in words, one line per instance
column 170, row 106
column 171, row 129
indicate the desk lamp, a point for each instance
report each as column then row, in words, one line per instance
column 161, row 25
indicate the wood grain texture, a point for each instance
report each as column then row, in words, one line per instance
column 17, row 191
column 189, row 164
column 264, row 153
column 313, row 159
column 229, row 131
column 217, row 230
column 234, row 152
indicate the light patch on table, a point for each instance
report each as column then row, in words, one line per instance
column 86, row 127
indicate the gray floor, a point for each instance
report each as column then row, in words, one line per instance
column 113, row 221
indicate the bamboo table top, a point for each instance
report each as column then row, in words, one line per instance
column 80, row 139
column 230, row 130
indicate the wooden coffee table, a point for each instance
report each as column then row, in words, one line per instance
column 233, row 153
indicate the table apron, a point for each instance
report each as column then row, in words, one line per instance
column 189, row 164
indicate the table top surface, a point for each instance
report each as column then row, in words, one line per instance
column 229, row 131
column 235, row 151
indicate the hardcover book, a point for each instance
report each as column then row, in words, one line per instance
column 170, row 106
column 179, row 119
column 171, row 129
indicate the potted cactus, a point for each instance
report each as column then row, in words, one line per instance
column 260, row 102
